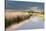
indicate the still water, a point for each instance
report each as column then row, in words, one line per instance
column 33, row 22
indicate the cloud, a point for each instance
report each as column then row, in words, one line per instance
column 36, row 9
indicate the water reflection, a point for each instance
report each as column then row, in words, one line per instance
column 33, row 23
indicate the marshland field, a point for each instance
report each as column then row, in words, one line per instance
column 16, row 17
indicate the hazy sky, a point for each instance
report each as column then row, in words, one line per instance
column 20, row 5
column 29, row 0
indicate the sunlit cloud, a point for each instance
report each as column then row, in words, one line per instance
column 36, row 9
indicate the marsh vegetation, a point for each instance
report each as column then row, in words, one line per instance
column 17, row 17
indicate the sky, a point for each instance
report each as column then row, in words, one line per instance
column 22, row 5
column 29, row 0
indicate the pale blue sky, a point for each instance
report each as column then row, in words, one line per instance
column 21, row 5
